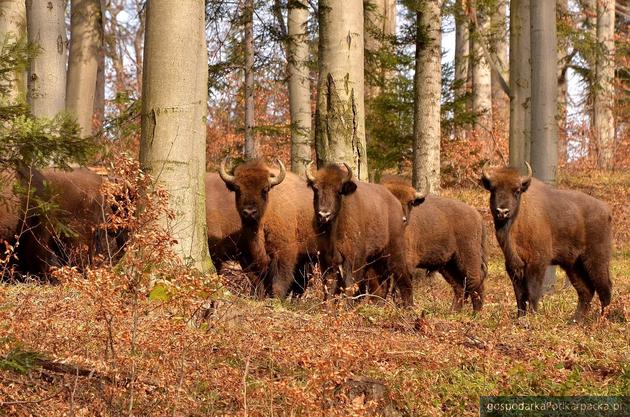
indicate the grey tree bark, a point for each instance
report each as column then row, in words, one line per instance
column 462, row 53
column 499, row 47
column 427, row 93
column 544, row 147
column 481, row 78
column 250, row 149
column 99, row 94
column 299, row 86
column 379, row 25
column 520, row 84
column 85, row 43
column 340, row 117
column 174, row 108
column 13, row 26
column 47, row 73
column 604, row 90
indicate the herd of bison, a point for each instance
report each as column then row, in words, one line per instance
column 366, row 239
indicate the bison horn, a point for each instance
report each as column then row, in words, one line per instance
column 424, row 193
column 484, row 172
column 349, row 177
column 529, row 172
column 275, row 180
column 309, row 174
column 227, row 178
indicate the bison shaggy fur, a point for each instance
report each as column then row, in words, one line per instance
column 537, row 226
column 444, row 235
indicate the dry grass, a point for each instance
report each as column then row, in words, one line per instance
column 159, row 355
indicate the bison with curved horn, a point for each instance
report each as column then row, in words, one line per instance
column 444, row 235
column 276, row 215
column 359, row 225
column 537, row 226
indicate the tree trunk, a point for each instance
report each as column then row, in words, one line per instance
column 13, row 26
column 85, row 42
column 604, row 91
column 482, row 81
column 563, row 65
column 427, row 93
column 340, row 120
column 174, row 107
column 299, row 86
column 499, row 47
column 47, row 74
column 462, row 53
column 544, row 147
column 250, row 150
column 379, row 26
column 99, row 95
column 520, row 84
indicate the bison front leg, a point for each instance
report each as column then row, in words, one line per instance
column 534, row 278
column 520, row 292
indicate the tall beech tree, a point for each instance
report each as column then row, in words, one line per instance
column 299, row 85
column 85, row 44
column 47, row 73
column 427, row 93
column 174, row 110
column 12, row 30
column 340, row 118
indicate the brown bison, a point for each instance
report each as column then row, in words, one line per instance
column 223, row 222
column 76, row 224
column 444, row 235
column 276, row 216
column 359, row 225
column 537, row 226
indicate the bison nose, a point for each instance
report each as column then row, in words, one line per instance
column 324, row 215
column 503, row 212
column 250, row 211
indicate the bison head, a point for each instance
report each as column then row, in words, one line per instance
column 251, row 183
column 329, row 185
column 506, row 186
column 406, row 194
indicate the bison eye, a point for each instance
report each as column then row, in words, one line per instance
column 264, row 193
column 517, row 193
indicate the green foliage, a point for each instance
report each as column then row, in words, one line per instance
column 28, row 140
column 19, row 361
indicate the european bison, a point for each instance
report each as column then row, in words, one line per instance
column 359, row 225
column 444, row 235
column 276, row 216
column 223, row 222
column 75, row 225
column 537, row 226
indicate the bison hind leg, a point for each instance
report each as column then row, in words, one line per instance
column 584, row 289
column 458, row 288
column 597, row 274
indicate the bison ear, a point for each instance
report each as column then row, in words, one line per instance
column 348, row 187
column 487, row 184
column 525, row 184
column 417, row 201
column 231, row 186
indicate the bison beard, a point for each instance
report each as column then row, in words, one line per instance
column 359, row 225
column 444, row 235
column 537, row 226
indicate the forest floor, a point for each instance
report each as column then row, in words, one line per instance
column 86, row 347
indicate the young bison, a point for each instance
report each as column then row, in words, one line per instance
column 359, row 225
column 537, row 226
column 444, row 235
column 276, row 215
